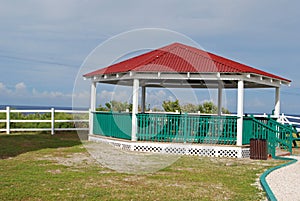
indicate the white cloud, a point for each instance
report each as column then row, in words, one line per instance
column 123, row 95
column 2, row 87
column 20, row 87
column 19, row 95
column 4, row 90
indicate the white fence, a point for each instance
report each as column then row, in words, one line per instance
column 52, row 121
column 291, row 120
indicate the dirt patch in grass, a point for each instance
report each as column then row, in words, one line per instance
column 57, row 171
column 128, row 161
column 71, row 160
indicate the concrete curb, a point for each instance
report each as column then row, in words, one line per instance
column 263, row 182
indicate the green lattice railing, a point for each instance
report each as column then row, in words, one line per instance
column 187, row 128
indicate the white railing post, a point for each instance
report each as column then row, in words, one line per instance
column 7, row 120
column 52, row 121
column 277, row 102
column 92, row 107
column 91, row 122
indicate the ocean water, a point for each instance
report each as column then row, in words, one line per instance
column 30, row 107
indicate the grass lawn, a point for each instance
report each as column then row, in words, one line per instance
column 43, row 167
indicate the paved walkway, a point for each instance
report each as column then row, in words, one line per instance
column 284, row 182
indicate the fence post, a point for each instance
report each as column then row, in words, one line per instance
column 52, row 121
column 7, row 120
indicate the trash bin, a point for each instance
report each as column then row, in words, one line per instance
column 258, row 149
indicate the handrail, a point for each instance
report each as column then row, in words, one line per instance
column 286, row 127
column 262, row 124
column 276, row 133
column 283, row 129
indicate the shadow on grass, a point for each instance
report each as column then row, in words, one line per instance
column 14, row 144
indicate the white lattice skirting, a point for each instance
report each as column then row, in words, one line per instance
column 176, row 148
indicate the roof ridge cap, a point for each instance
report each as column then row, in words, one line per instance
column 160, row 52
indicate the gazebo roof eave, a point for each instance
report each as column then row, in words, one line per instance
column 258, row 81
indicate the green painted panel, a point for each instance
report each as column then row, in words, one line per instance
column 117, row 125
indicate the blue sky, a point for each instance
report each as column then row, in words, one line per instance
column 43, row 44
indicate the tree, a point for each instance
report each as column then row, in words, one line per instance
column 101, row 108
column 155, row 109
column 171, row 106
column 225, row 111
column 168, row 106
column 115, row 106
column 208, row 108
column 190, row 108
column 108, row 106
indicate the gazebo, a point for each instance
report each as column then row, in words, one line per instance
column 182, row 66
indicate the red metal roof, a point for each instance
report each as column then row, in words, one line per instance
column 180, row 58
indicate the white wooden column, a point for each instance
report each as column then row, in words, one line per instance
column 92, row 106
column 277, row 102
column 135, row 98
column 220, row 90
column 143, row 106
column 240, row 113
